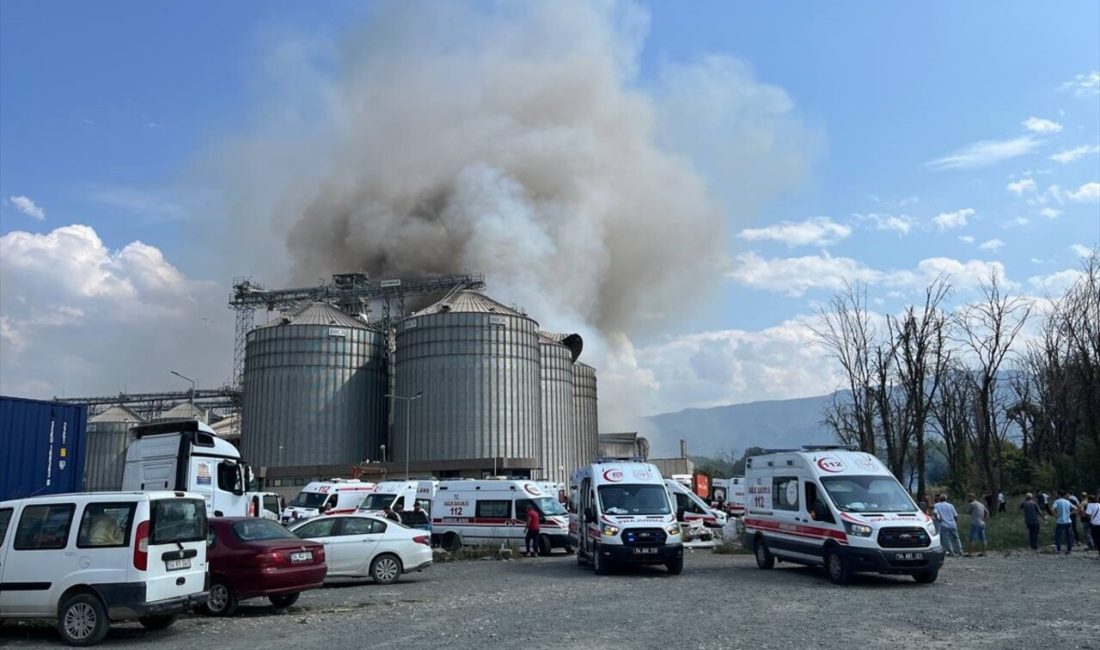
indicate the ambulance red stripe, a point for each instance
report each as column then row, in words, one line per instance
column 797, row 530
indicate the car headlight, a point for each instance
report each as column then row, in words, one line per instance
column 610, row 531
column 859, row 530
column 673, row 529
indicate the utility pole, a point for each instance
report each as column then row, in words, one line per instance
column 408, row 400
column 191, row 399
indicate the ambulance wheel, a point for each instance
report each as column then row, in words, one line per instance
column 545, row 547
column 599, row 565
column 837, row 568
column 452, row 542
column 764, row 557
column 675, row 567
column 926, row 577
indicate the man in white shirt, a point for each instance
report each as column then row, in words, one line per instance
column 1001, row 502
column 949, row 526
column 1092, row 517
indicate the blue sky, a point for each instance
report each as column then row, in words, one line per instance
column 109, row 112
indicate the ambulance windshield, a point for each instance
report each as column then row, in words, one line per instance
column 634, row 500
column 549, row 506
column 868, row 494
column 309, row 500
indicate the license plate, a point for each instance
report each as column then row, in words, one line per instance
column 177, row 565
column 908, row 556
column 304, row 556
column 645, row 551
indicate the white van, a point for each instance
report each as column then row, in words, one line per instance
column 89, row 559
column 729, row 493
column 620, row 511
column 337, row 496
column 493, row 511
column 837, row 508
column 267, row 505
column 691, row 508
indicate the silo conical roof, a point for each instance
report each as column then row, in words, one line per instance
column 320, row 313
column 467, row 301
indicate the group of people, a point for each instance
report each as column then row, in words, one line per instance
column 415, row 517
column 1068, row 511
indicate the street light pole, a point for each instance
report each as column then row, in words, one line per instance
column 418, row 395
column 192, row 399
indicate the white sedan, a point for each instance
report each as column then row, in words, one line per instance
column 359, row 545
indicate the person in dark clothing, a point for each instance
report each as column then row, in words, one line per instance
column 1033, row 517
column 531, row 539
column 388, row 513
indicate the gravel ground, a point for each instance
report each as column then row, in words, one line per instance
column 720, row 601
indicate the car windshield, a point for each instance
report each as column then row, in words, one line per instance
column 868, row 494
column 549, row 506
column 248, row 531
column 634, row 500
column 309, row 500
column 377, row 501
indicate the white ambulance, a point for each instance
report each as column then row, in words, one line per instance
column 620, row 512
column 729, row 493
column 493, row 511
column 336, row 496
column 402, row 496
column 691, row 508
column 837, row 508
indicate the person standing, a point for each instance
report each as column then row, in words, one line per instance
column 1073, row 500
column 531, row 539
column 1001, row 501
column 1092, row 520
column 1063, row 509
column 1033, row 515
column 979, row 514
column 388, row 513
column 949, row 526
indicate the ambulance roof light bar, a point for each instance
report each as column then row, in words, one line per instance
column 617, row 459
column 829, row 448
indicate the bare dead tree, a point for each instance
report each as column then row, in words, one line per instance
column 952, row 417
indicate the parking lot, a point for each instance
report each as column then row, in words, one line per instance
column 720, row 601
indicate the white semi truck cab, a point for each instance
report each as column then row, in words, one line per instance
column 185, row 455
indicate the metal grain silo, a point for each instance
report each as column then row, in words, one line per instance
column 559, row 440
column 476, row 364
column 312, row 391
column 108, row 437
column 587, row 425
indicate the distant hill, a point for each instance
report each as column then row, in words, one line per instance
column 771, row 424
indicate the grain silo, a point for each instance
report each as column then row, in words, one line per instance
column 312, row 391
column 586, row 417
column 108, row 437
column 559, row 439
column 475, row 363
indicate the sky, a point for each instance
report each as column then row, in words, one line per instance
column 735, row 164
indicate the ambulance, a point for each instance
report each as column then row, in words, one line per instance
column 620, row 512
column 494, row 511
column 336, row 496
column 401, row 496
column 691, row 508
column 837, row 508
column 730, row 494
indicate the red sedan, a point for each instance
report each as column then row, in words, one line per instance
column 252, row 557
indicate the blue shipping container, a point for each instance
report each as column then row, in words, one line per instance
column 42, row 446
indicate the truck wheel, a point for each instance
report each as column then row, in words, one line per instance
column 837, row 568
column 599, row 564
column 545, row 547
column 452, row 542
column 157, row 622
column 764, row 557
column 82, row 620
column 675, row 567
column 926, row 577
column 385, row 569
column 283, row 601
column 222, row 601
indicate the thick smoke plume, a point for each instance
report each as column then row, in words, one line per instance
column 519, row 143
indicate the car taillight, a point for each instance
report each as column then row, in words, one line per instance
column 422, row 539
column 319, row 553
column 141, row 547
column 269, row 559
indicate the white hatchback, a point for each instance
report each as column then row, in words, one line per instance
column 363, row 545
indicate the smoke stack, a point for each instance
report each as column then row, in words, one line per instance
column 683, row 448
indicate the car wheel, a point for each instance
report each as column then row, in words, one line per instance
column 157, row 622
column 222, row 601
column 599, row 564
column 764, row 557
column 452, row 542
column 675, row 567
column 283, row 601
column 545, row 547
column 837, row 568
column 926, row 577
column 82, row 620
column 385, row 569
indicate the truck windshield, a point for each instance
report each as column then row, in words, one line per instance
column 309, row 500
column 549, row 506
column 634, row 500
column 377, row 501
column 868, row 494
column 178, row 520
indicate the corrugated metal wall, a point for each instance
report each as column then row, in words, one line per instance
column 479, row 374
column 586, row 415
column 312, row 395
column 560, row 448
column 106, row 458
column 42, row 447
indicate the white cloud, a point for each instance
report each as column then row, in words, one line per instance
column 1017, row 221
column 1080, row 250
column 1050, row 213
column 1087, row 193
column 1070, row 155
column 1056, row 283
column 1040, row 125
column 1021, row 186
column 956, row 219
column 900, row 223
column 818, row 231
column 966, row 239
column 79, row 317
column 966, row 275
column 1084, row 85
column 794, row 276
column 27, row 206
column 985, row 153
column 991, row 245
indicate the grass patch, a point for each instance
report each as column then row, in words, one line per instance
column 479, row 552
